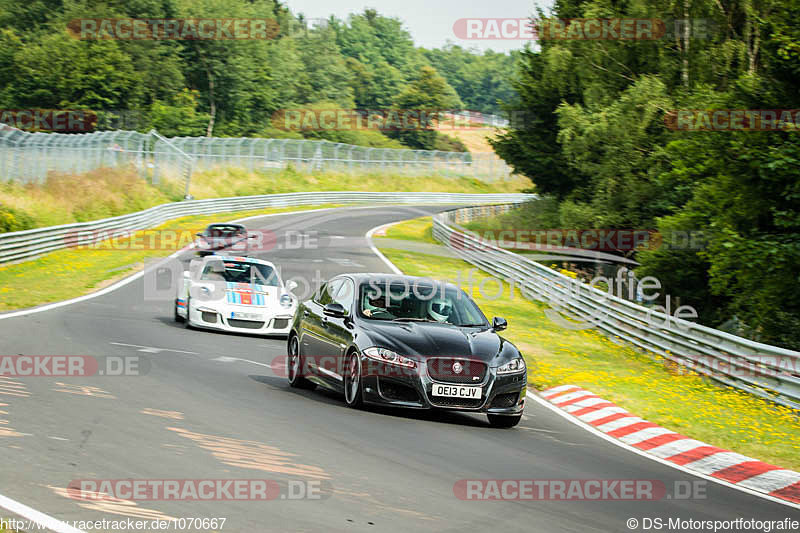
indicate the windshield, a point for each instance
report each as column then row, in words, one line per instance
column 224, row 231
column 419, row 303
column 240, row 272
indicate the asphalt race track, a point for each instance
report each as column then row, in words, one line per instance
column 210, row 407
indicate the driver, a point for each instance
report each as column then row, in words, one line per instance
column 375, row 302
column 440, row 309
column 214, row 271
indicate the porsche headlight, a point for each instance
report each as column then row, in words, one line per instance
column 286, row 300
column 205, row 292
column 512, row 367
column 387, row 356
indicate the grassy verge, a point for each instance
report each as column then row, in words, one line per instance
column 239, row 182
column 645, row 384
column 109, row 192
column 73, row 272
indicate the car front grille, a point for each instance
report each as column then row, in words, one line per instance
column 505, row 400
column 471, row 372
column 245, row 324
column 208, row 317
column 280, row 323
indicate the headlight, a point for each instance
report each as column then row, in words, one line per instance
column 512, row 367
column 205, row 292
column 286, row 300
column 387, row 356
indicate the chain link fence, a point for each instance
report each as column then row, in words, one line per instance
column 28, row 157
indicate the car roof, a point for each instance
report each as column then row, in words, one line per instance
column 382, row 277
column 220, row 225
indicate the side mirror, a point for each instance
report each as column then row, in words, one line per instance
column 291, row 285
column 333, row 309
column 199, row 234
column 499, row 323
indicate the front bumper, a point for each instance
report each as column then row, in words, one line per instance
column 268, row 322
column 387, row 384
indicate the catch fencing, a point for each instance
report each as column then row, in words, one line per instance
column 766, row 371
column 29, row 157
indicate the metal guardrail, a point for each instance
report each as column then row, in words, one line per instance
column 26, row 244
column 766, row 371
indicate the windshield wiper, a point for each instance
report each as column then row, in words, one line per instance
column 471, row 325
column 412, row 319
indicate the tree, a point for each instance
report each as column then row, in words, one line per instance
column 427, row 96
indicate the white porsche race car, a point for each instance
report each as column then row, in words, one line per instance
column 241, row 294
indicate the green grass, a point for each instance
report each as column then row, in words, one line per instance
column 240, row 182
column 645, row 384
column 102, row 193
column 73, row 272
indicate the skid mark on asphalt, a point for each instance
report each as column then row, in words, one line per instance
column 172, row 415
column 83, row 390
column 6, row 431
column 101, row 502
column 251, row 454
column 12, row 387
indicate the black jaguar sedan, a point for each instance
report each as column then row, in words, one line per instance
column 406, row 342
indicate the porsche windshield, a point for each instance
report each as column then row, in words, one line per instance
column 419, row 303
column 240, row 272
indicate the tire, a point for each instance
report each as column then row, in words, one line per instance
column 178, row 318
column 353, row 394
column 504, row 421
column 294, row 366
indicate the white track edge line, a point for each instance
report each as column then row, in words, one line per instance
column 53, row 524
column 377, row 252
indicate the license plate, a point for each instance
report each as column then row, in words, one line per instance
column 245, row 316
column 456, row 391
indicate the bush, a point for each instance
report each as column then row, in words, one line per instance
column 446, row 143
column 13, row 220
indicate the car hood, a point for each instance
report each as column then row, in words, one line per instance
column 424, row 340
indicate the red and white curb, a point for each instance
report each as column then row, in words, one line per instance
column 692, row 455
